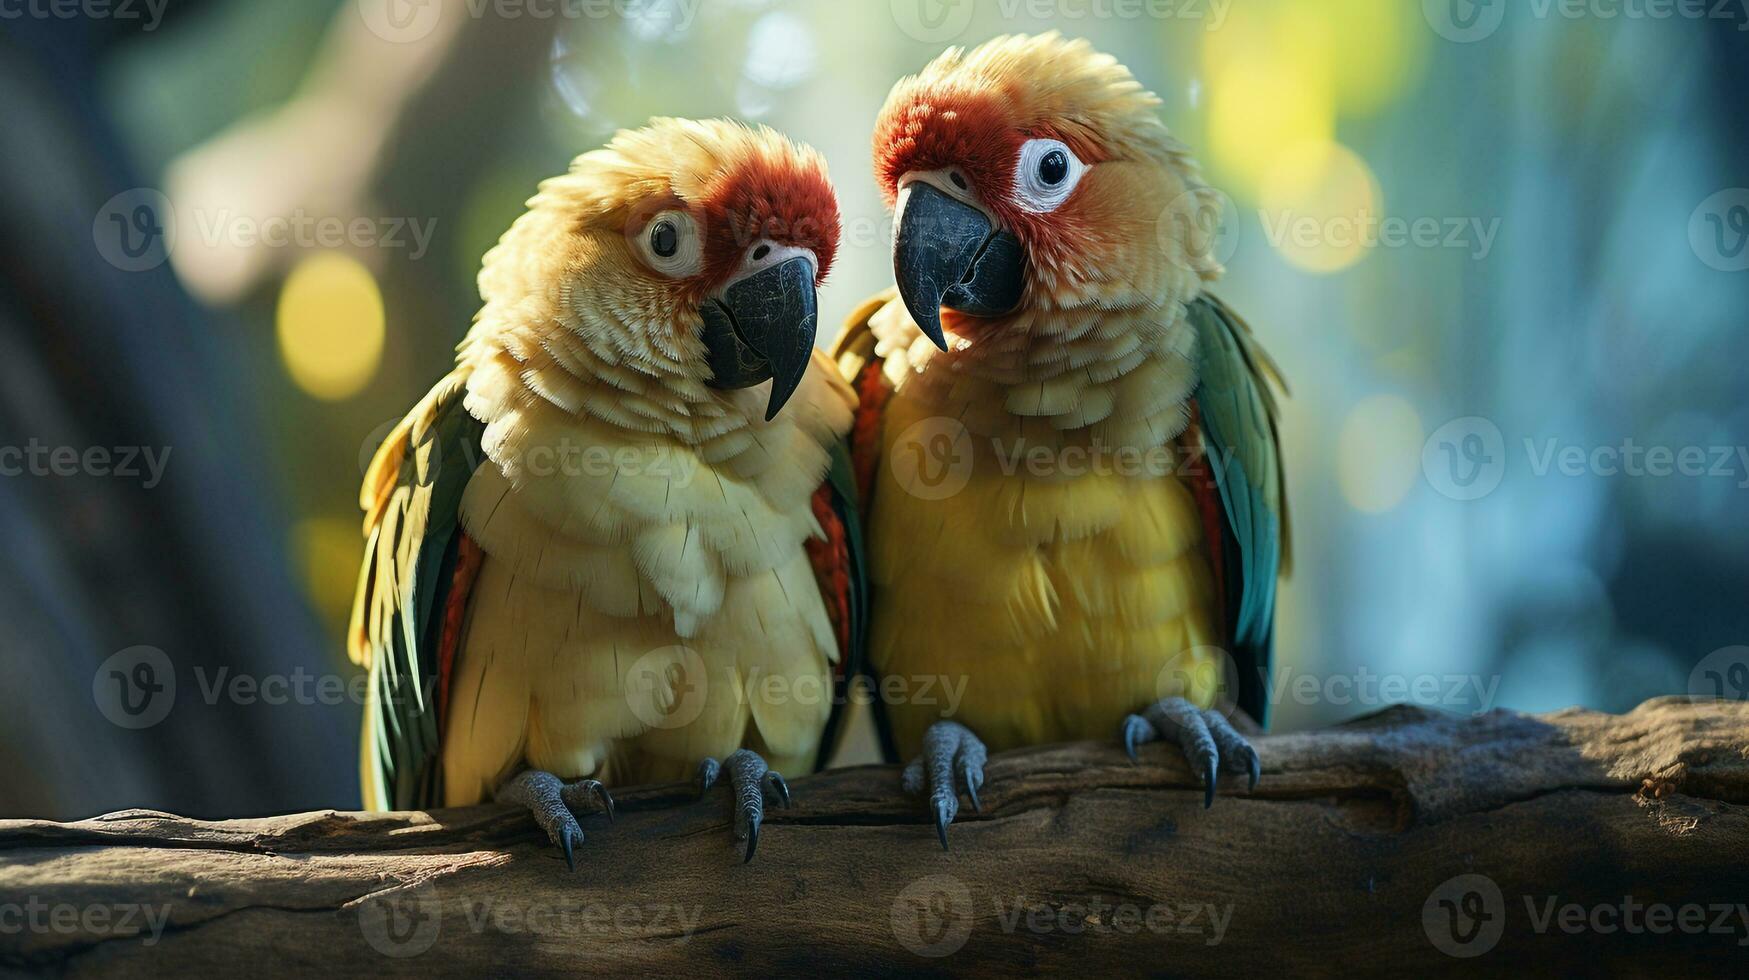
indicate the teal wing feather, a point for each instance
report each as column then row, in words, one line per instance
column 1239, row 416
column 413, row 492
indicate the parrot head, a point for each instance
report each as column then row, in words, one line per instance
column 1033, row 171
column 689, row 251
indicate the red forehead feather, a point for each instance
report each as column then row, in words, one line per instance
column 784, row 198
column 935, row 129
column 978, row 131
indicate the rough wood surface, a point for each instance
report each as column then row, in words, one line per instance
column 1358, row 854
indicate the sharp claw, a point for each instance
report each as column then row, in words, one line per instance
column 1129, row 737
column 606, row 801
column 566, row 843
column 708, row 771
column 942, row 819
column 1208, row 783
column 972, row 791
column 753, row 820
column 775, row 783
column 1256, row 771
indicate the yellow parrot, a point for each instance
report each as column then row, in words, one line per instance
column 1067, row 448
column 597, row 536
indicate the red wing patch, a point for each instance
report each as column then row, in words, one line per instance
column 1200, row 478
column 830, row 557
column 468, row 558
column 872, row 393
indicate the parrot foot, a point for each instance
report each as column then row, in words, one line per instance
column 948, row 748
column 554, row 804
column 1205, row 737
column 752, row 780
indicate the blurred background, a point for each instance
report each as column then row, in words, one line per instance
column 1499, row 249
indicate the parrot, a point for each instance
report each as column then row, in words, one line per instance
column 1052, row 251
column 627, row 510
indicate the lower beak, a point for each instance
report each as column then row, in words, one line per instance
column 762, row 327
column 947, row 253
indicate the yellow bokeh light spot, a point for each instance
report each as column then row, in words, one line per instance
column 1378, row 48
column 326, row 552
column 1321, row 207
column 331, row 326
column 1378, row 455
column 1271, row 87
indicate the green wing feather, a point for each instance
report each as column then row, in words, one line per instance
column 1239, row 420
column 414, row 491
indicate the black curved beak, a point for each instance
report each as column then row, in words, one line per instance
column 763, row 328
column 947, row 253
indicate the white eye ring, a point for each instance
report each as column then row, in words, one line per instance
column 675, row 233
column 1041, row 162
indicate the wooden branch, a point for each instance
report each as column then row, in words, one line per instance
column 1567, row 842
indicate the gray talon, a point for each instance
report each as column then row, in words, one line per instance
column 1208, row 741
column 551, row 802
column 586, row 795
column 775, row 786
column 949, row 748
column 750, row 779
column 708, row 771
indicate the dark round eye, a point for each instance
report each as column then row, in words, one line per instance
column 665, row 239
column 1053, row 168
